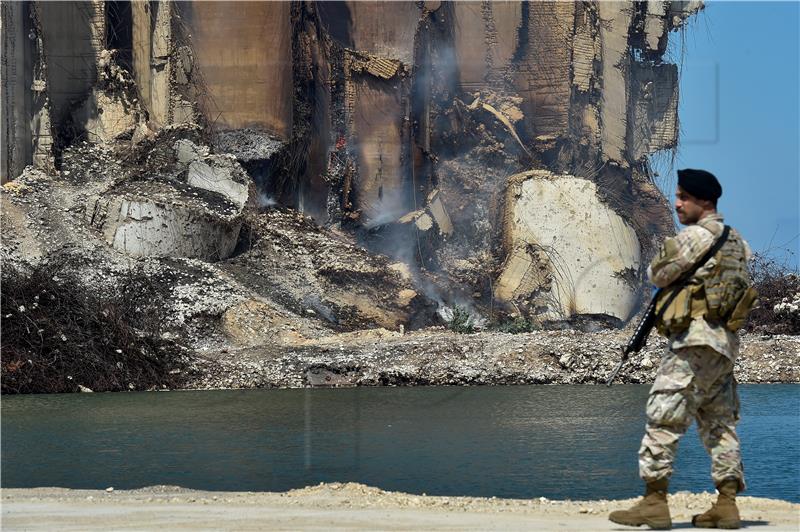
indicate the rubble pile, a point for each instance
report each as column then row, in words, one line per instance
column 298, row 205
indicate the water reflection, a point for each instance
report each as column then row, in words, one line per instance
column 515, row 441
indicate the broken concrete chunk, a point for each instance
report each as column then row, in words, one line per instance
column 590, row 249
column 221, row 175
column 437, row 210
column 105, row 116
column 155, row 219
column 382, row 68
column 681, row 10
column 420, row 218
column 187, row 151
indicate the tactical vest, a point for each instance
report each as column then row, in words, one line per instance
column 722, row 294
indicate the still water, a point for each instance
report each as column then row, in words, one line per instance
column 559, row 442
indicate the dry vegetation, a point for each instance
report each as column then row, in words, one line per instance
column 778, row 287
column 58, row 336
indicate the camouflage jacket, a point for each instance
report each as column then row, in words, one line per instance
column 677, row 255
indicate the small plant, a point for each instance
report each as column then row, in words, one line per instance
column 462, row 321
column 515, row 325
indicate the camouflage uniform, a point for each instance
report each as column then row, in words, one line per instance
column 695, row 379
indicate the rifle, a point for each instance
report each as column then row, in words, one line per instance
column 650, row 317
column 639, row 337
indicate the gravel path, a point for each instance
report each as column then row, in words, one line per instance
column 339, row 506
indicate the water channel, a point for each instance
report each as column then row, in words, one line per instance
column 560, row 442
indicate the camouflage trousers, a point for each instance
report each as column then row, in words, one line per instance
column 692, row 383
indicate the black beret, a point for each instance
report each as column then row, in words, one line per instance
column 700, row 184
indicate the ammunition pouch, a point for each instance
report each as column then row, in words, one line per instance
column 691, row 302
column 746, row 303
column 676, row 315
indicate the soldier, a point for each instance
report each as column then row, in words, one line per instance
column 695, row 379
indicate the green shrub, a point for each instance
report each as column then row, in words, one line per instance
column 462, row 321
column 515, row 325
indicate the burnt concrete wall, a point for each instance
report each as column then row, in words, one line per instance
column 16, row 76
column 244, row 51
column 73, row 37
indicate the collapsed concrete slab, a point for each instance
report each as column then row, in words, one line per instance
column 166, row 219
column 215, row 173
column 378, row 136
column 569, row 254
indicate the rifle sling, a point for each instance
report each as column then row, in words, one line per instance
column 678, row 285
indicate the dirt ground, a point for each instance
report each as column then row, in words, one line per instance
column 339, row 506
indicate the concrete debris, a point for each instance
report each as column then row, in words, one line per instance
column 247, row 144
column 160, row 219
column 588, row 247
column 436, row 357
column 305, row 267
column 477, row 104
column 433, row 214
column 681, row 10
column 379, row 67
column 220, row 174
column 421, row 219
column 438, row 212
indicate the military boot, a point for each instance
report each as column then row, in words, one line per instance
column 652, row 510
column 723, row 513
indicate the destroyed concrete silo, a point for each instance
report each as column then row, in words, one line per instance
column 456, row 136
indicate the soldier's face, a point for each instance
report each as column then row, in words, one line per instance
column 689, row 208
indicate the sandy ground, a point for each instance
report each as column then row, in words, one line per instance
column 339, row 507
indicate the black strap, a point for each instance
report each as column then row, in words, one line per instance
column 678, row 284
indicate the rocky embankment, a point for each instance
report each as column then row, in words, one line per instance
column 441, row 357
